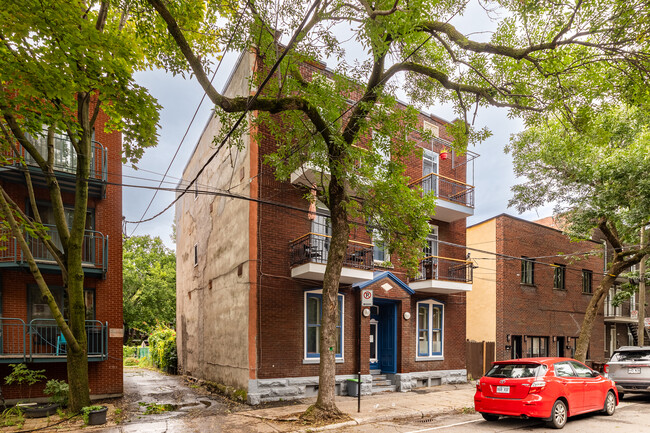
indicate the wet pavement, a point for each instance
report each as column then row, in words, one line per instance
column 191, row 408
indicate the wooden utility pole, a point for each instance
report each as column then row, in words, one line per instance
column 641, row 329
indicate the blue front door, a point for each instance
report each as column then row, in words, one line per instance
column 387, row 336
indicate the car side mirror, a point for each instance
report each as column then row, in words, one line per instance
column 594, row 373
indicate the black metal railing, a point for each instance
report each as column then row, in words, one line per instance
column 42, row 339
column 314, row 248
column 446, row 188
column 94, row 248
column 441, row 268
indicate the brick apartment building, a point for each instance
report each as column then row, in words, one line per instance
column 531, row 289
column 28, row 332
column 250, row 275
column 621, row 321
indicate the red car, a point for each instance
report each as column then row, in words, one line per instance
column 552, row 389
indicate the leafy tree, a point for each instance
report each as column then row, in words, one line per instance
column 543, row 56
column 149, row 274
column 62, row 62
column 598, row 176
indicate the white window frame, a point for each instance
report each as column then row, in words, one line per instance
column 316, row 359
column 433, row 236
column 431, row 305
column 376, row 234
column 432, row 185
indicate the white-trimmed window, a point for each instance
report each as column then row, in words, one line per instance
column 380, row 249
column 313, row 316
column 429, row 329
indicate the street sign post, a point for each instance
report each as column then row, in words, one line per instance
column 366, row 298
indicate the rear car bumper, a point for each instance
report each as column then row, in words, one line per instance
column 531, row 406
column 632, row 387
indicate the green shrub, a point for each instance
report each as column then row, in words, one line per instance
column 22, row 376
column 58, row 391
column 131, row 362
column 162, row 347
column 129, row 351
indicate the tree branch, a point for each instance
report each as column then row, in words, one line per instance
column 40, row 281
column 444, row 80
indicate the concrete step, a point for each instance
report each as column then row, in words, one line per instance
column 379, row 377
column 381, row 383
column 374, row 372
column 387, row 388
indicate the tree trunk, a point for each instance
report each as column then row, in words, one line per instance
column 78, row 360
column 325, row 406
column 595, row 305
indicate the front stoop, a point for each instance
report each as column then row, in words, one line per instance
column 382, row 383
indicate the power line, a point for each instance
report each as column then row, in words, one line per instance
column 178, row 148
column 248, row 105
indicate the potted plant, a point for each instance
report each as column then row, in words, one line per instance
column 23, row 376
column 94, row 415
column 444, row 153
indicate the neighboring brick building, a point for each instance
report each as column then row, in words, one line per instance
column 29, row 334
column 249, row 275
column 531, row 289
column 621, row 321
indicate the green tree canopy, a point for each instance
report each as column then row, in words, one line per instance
column 597, row 174
column 63, row 62
column 149, row 273
column 563, row 56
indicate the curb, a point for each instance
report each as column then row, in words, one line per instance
column 380, row 418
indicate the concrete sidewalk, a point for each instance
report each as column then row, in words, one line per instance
column 196, row 410
column 419, row 403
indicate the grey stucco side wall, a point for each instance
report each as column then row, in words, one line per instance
column 212, row 297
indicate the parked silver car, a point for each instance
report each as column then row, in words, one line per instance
column 630, row 369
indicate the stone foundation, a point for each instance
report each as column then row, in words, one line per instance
column 422, row 379
column 293, row 388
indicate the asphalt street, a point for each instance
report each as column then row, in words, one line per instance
column 632, row 415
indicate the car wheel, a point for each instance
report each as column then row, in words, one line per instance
column 490, row 417
column 558, row 415
column 610, row 404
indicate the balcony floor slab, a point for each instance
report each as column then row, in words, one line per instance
column 440, row 286
column 316, row 272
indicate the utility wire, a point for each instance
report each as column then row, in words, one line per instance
column 239, row 120
column 178, row 148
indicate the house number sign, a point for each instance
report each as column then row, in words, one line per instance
column 366, row 298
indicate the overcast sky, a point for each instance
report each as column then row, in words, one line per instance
column 493, row 175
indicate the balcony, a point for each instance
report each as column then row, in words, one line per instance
column 308, row 257
column 443, row 275
column 41, row 341
column 455, row 198
column 94, row 254
column 65, row 165
column 619, row 314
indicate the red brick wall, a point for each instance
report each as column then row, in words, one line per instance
column 541, row 310
column 280, row 343
column 105, row 376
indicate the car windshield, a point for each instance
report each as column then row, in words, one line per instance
column 516, row 370
column 631, row 355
